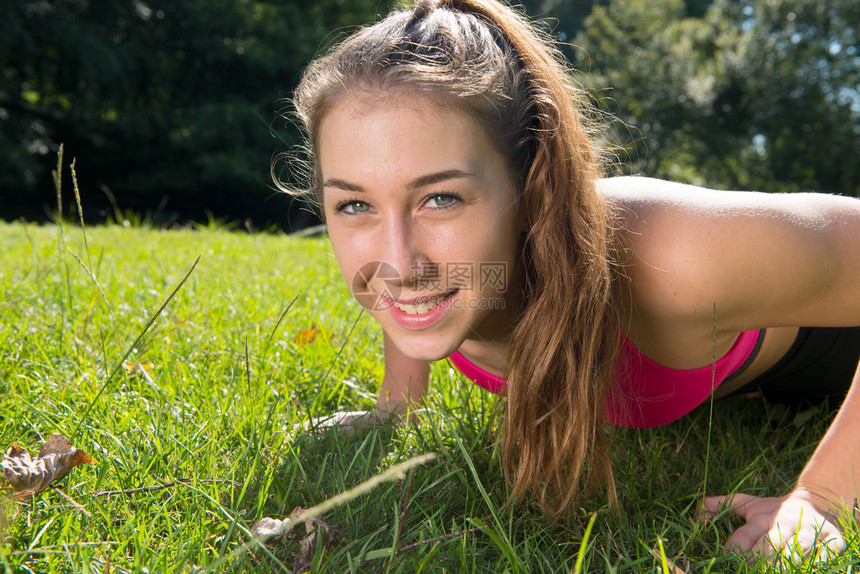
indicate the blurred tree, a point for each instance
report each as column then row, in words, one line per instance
column 791, row 78
column 565, row 17
column 649, row 66
column 156, row 99
column 760, row 94
column 175, row 99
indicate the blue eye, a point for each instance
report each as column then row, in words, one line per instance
column 442, row 200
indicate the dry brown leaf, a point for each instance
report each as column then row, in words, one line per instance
column 656, row 552
column 316, row 530
column 306, row 336
column 29, row 476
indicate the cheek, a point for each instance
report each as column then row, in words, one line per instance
column 345, row 263
column 340, row 246
column 351, row 243
column 498, row 238
column 350, row 250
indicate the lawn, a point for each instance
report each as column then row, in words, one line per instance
column 191, row 427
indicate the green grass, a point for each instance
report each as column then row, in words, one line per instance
column 224, row 424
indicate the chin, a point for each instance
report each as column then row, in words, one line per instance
column 432, row 350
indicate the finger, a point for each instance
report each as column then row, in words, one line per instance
column 814, row 533
column 745, row 538
column 777, row 538
column 792, row 553
column 820, row 538
column 711, row 505
column 835, row 542
column 830, row 547
column 830, row 541
column 714, row 505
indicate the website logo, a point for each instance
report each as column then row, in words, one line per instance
column 378, row 273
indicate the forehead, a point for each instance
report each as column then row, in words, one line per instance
column 362, row 101
column 366, row 135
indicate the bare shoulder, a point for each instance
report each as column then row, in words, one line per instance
column 638, row 196
column 752, row 254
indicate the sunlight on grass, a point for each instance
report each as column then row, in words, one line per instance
column 193, row 439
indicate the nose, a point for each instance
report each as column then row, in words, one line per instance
column 403, row 249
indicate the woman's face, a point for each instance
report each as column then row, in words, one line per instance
column 423, row 220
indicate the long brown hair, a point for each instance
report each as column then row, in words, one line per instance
column 488, row 59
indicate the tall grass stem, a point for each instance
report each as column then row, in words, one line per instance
column 134, row 344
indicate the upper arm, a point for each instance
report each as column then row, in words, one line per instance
column 764, row 260
column 405, row 380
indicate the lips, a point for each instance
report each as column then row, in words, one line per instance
column 420, row 312
column 420, row 306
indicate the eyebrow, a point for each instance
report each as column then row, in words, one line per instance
column 416, row 183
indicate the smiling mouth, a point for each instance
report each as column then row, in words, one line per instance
column 423, row 305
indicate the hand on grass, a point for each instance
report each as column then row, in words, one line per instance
column 348, row 421
column 792, row 526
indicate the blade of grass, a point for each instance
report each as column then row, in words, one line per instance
column 711, row 404
column 275, row 330
column 95, row 282
column 89, row 267
column 710, row 420
column 235, row 523
column 441, row 538
column 247, row 366
column 497, row 533
column 663, row 563
column 580, row 557
column 58, row 186
column 133, row 345
column 396, row 472
column 404, row 500
column 342, row 347
column 7, row 568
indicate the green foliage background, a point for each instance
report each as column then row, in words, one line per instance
column 173, row 99
column 756, row 94
column 171, row 106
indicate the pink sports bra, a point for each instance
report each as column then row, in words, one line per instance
column 647, row 394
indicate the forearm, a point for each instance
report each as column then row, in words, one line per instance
column 833, row 472
column 404, row 383
column 403, row 391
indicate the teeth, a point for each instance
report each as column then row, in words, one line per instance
column 419, row 307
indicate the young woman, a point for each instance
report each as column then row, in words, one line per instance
column 459, row 177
